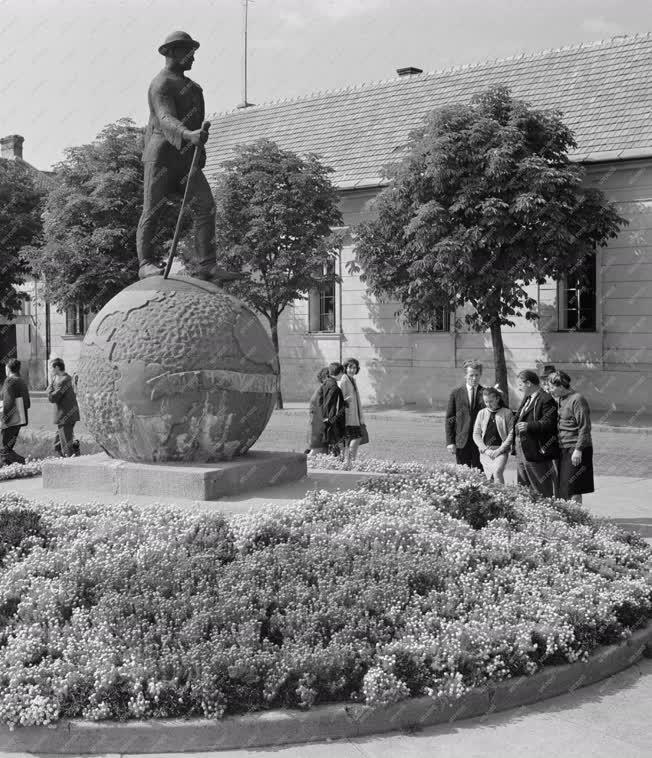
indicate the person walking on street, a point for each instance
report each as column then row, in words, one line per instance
column 315, row 423
column 355, row 430
column 493, row 434
column 15, row 405
column 66, row 415
column 464, row 404
column 574, row 426
column 535, row 439
column 331, row 403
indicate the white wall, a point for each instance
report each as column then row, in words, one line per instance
column 613, row 365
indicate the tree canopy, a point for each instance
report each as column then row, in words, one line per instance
column 275, row 214
column 88, row 250
column 485, row 202
column 20, row 223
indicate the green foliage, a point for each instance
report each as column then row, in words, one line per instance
column 372, row 594
column 275, row 211
column 20, row 222
column 16, row 526
column 88, row 251
column 485, row 202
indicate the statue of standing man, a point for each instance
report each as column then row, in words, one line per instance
column 176, row 115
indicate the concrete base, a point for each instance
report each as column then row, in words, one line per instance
column 191, row 481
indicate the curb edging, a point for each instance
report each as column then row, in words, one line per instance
column 326, row 722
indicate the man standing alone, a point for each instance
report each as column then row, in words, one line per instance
column 15, row 403
column 463, row 406
column 66, row 415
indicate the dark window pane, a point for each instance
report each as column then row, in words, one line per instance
column 578, row 299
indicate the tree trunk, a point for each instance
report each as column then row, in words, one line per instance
column 273, row 322
column 499, row 359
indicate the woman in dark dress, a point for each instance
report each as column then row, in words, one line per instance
column 316, row 441
column 574, row 425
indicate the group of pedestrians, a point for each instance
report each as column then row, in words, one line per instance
column 549, row 432
column 337, row 424
column 14, row 410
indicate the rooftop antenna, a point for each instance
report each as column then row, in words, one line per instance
column 245, row 21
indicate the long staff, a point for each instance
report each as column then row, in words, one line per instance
column 193, row 167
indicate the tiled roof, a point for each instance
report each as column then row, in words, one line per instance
column 604, row 90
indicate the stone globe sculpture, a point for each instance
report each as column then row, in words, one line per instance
column 176, row 370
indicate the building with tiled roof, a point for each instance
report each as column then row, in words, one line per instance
column 602, row 335
column 603, row 90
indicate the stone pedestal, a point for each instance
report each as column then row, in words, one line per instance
column 191, row 481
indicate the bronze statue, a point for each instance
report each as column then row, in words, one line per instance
column 176, row 115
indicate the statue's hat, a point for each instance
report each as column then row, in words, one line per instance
column 182, row 39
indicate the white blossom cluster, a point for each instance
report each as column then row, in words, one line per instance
column 425, row 582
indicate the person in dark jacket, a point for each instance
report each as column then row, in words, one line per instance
column 15, row 405
column 331, row 402
column 315, row 423
column 66, row 415
column 535, row 440
column 574, row 426
column 464, row 404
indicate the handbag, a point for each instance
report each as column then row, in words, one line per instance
column 365, row 434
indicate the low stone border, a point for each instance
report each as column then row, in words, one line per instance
column 327, row 722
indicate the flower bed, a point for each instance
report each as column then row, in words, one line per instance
column 20, row 470
column 422, row 584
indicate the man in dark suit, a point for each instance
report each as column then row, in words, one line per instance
column 66, row 415
column 535, row 442
column 463, row 406
column 15, row 403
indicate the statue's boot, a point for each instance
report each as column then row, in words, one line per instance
column 149, row 269
column 217, row 275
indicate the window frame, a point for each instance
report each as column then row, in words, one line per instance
column 76, row 320
column 564, row 324
column 326, row 290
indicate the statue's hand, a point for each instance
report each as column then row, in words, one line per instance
column 197, row 137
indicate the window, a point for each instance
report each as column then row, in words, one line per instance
column 76, row 320
column 321, row 302
column 577, row 298
column 439, row 322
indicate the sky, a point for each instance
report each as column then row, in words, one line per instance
column 70, row 67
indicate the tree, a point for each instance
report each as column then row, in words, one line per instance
column 275, row 213
column 485, row 202
column 88, row 251
column 20, row 222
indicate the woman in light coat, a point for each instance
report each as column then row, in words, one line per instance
column 354, row 428
column 493, row 433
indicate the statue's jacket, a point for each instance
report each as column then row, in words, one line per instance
column 176, row 103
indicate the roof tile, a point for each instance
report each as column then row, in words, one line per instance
column 603, row 89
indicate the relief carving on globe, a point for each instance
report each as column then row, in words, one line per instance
column 176, row 370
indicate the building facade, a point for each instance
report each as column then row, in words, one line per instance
column 599, row 331
column 26, row 336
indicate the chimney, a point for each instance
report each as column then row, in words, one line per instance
column 409, row 71
column 11, row 147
